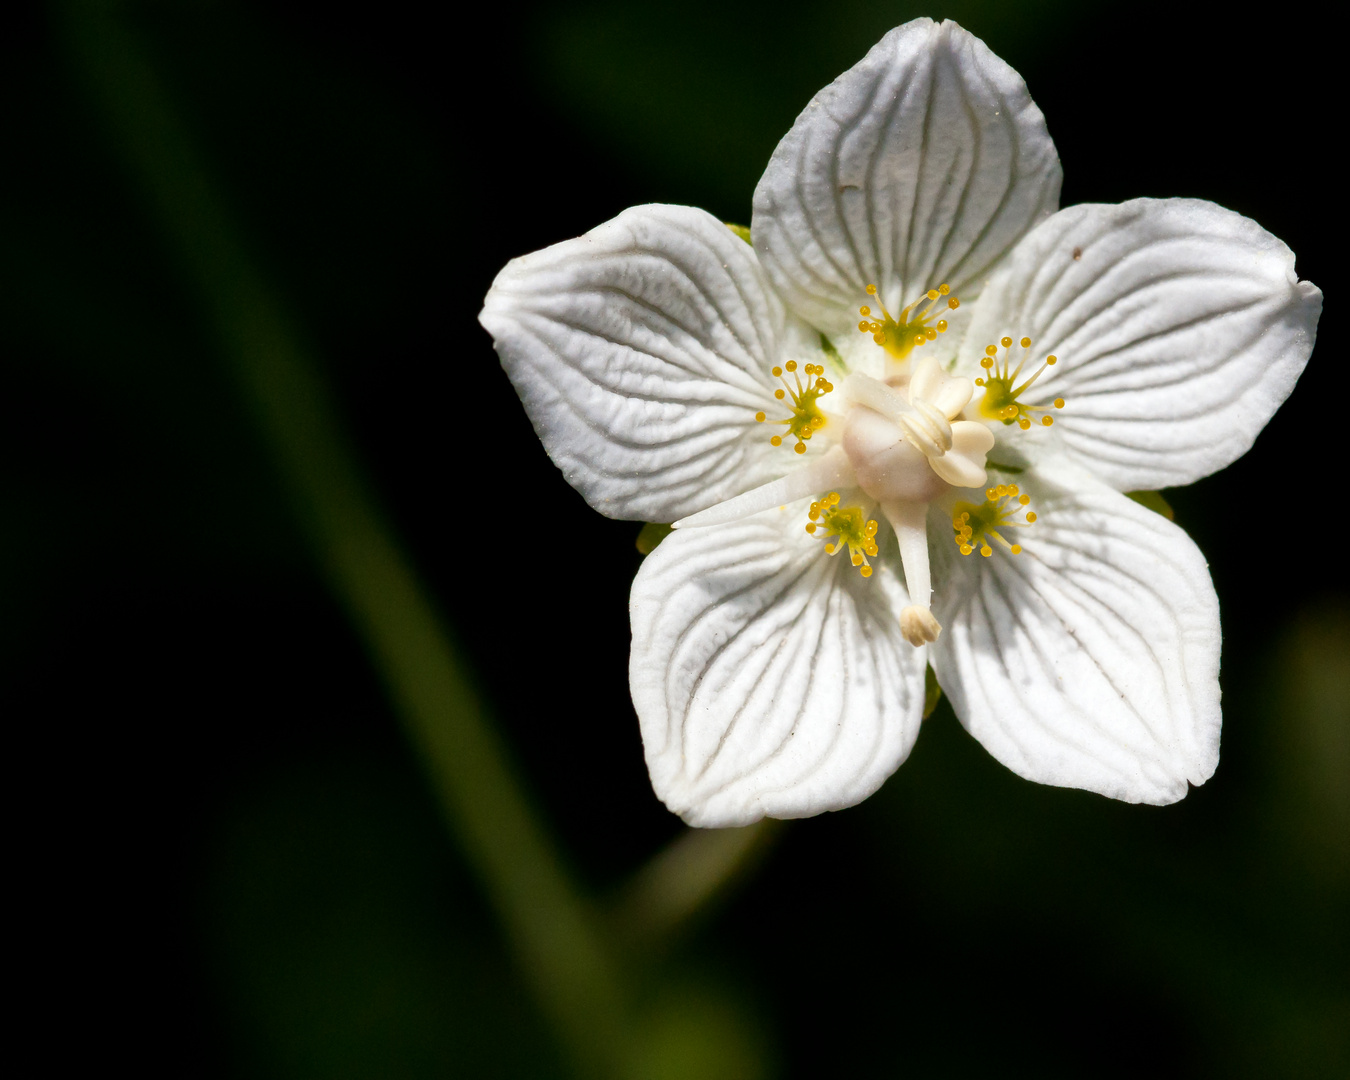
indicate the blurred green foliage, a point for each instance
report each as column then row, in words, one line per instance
column 350, row 944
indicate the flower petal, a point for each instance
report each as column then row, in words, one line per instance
column 642, row 352
column 1091, row 659
column 1179, row 328
column 922, row 164
column 770, row 679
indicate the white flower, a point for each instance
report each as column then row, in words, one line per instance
column 1075, row 632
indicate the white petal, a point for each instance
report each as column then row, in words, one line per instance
column 1091, row 659
column 770, row 679
column 642, row 352
column 1179, row 328
column 922, row 164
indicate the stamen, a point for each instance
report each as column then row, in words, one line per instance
column 910, row 522
column 806, row 418
column 899, row 337
column 1000, row 401
column 849, row 524
column 978, row 525
column 830, row 469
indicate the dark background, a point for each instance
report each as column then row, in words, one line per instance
column 228, row 861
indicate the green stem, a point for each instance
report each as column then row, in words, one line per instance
column 551, row 929
column 684, row 879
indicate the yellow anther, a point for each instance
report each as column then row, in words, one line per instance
column 975, row 527
column 806, row 418
column 1002, row 393
column 901, row 336
column 844, row 526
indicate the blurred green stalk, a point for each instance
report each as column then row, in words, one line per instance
column 550, row 926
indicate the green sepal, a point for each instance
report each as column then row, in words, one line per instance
column 651, row 535
column 932, row 692
column 743, row 231
column 827, row 347
column 1154, row 501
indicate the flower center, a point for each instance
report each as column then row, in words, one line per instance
column 901, row 336
column 806, row 418
column 850, row 525
column 977, row 525
column 1000, row 401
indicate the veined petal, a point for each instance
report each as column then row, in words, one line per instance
column 922, row 164
column 770, row 679
column 642, row 352
column 1090, row 659
column 1179, row 328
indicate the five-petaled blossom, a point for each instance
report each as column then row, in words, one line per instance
column 868, row 474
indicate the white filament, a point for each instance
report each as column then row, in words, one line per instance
column 831, row 470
